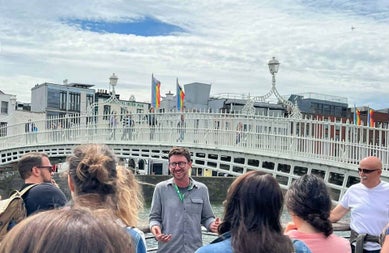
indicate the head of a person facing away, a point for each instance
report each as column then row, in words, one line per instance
column 252, row 214
column 67, row 230
column 35, row 167
column 92, row 176
column 370, row 170
column 308, row 200
column 96, row 181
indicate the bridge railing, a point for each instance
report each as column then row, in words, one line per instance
column 303, row 139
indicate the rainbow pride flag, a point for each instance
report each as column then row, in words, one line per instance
column 370, row 119
column 155, row 92
column 180, row 97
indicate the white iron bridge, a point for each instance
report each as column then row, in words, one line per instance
column 225, row 144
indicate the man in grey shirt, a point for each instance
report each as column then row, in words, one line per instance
column 179, row 207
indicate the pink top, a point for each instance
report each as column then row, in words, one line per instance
column 318, row 243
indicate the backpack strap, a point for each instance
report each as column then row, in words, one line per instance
column 25, row 190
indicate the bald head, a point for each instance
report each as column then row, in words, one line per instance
column 370, row 169
column 371, row 162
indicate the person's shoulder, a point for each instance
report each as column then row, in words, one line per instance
column 164, row 183
column 385, row 184
column 223, row 246
column 300, row 246
column 356, row 187
column 293, row 233
column 341, row 243
column 339, row 238
column 199, row 184
column 45, row 188
column 135, row 233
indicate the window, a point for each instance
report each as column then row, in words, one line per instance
column 89, row 100
column 4, row 107
column 74, row 101
column 62, row 100
column 107, row 111
column 3, row 129
column 326, row 110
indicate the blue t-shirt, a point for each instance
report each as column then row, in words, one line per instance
column 137, row 240
column 42, row 197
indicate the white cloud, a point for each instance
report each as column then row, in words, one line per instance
column 228, row 44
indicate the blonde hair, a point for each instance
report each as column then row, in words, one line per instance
column 102, row 185
column 129, row 197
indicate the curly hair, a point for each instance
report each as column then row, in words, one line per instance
column 129, row 197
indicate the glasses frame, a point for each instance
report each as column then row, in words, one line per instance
column 366, row 171
column 180, row 164
column 50, row 168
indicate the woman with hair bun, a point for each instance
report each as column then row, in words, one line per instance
column 309, row 204
column 95, row 182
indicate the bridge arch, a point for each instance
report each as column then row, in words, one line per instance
column 284, row 147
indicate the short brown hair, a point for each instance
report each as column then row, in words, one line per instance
column 181, row 151
column 28, row 161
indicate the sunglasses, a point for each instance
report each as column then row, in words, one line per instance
column 50, row 168
column 366, row 171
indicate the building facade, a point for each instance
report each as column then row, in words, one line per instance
column 60, row 100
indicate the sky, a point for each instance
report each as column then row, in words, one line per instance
column 337, row 48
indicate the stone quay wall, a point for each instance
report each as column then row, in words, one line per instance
column 217, row 186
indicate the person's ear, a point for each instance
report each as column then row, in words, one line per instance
column 35, row 171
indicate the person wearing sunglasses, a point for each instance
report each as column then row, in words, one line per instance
column 368, row 202
column 35, row 168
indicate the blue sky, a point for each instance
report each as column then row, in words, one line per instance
column 145, row 26
column 337, row 48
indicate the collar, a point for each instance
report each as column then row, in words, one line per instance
column 192, row 183
column 222, row 237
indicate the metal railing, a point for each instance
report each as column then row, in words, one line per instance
column 303, row 139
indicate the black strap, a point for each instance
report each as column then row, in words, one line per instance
column 359, row 239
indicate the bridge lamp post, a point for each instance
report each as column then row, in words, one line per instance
column 113, row 80
column 273, row 67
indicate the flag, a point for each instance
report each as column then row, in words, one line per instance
column 368, row 117
column 355, row 115
column 371, row 119
column 180, row 97
column 358, row 117
column 155, row 92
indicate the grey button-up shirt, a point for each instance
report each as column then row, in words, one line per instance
column 181, row 219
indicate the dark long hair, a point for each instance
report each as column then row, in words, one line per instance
column 309, row 199
column 252, row 214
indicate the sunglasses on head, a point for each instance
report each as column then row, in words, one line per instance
column 366, row 171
